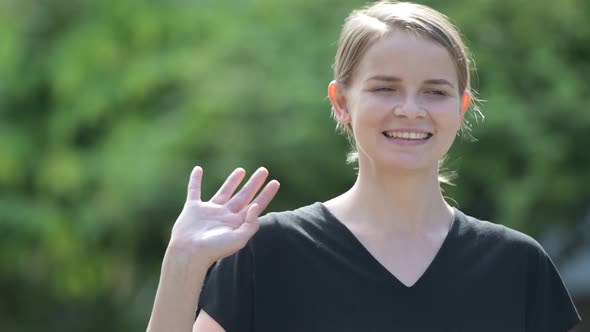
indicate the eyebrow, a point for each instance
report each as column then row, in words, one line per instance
column 384, row 78
column 440, row 81
column 393, row 79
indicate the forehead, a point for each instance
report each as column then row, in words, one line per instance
column 409, row 57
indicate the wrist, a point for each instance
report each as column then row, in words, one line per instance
column 179, row 257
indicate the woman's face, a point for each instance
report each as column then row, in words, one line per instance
column 403, row 104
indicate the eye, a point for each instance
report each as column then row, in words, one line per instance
column 384, row 89
column 437, row 92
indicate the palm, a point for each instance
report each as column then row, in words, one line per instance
column 224, row 224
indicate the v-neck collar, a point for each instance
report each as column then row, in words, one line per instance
column 430, row 270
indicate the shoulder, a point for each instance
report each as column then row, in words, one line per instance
column 548, row 305
column 303, row 217
column 307, row 221
column 483, row 232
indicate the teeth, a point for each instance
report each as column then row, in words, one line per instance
column 406, row 135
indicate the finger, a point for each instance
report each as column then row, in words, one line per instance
column 229, row 186
column 245, row 195
column 267, row 194
column 194, row 184
column 247, row 229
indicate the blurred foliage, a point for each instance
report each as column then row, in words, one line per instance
column 105, row 106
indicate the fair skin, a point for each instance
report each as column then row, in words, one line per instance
column 205, row 232
column 403, row 83
column 395, row 208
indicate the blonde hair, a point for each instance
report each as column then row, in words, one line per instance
column 366, row 26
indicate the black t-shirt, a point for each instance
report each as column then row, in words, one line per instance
column 305, row 271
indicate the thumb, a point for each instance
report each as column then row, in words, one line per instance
column 249, row 227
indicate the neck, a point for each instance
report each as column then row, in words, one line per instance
column 402, row 202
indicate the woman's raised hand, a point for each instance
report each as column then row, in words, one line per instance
column 223, row 225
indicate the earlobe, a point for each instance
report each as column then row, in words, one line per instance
column 465, row 101
column 338, row 100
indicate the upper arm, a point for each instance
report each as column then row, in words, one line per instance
column 206, row 323
column 549, row 306
column 227, row 295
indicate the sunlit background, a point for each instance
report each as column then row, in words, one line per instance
column 105, row 107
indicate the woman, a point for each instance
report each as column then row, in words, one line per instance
column 389, row 254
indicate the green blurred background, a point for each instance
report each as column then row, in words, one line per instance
column 105, row 107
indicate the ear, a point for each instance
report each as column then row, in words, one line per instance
column 339, row 104
column 465, row 101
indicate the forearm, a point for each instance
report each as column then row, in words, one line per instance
column 178, row 292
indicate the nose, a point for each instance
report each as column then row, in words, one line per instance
column 409, row 108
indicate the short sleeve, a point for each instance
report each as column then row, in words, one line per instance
column 227, row 295
column 549, row 306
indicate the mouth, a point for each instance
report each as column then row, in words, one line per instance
column 406, row 135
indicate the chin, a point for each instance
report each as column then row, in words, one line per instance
column 405, row 165
column 400, row 161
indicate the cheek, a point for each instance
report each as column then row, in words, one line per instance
column 447, row 115
column 372, row 108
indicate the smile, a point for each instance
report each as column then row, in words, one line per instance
column 407, row 135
